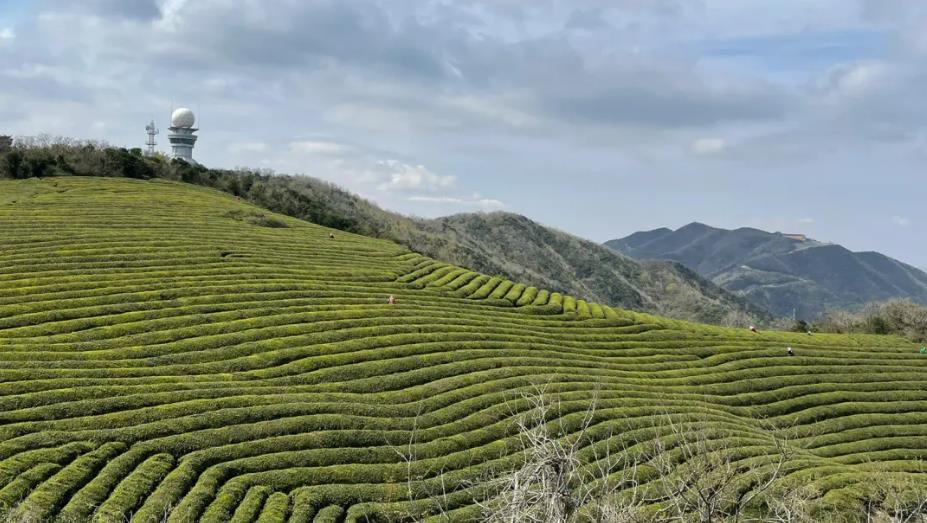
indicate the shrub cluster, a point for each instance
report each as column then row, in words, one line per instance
column 901, row 317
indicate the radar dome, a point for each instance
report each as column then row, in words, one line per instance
column 182, row 117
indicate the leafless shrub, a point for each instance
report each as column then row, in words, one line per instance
column 898, row 499
column 553, row 485
column 701, row 478
column 793, row 504
column 902, row 317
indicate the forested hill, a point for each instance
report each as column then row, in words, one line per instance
column 501, row 243
column 510, row 244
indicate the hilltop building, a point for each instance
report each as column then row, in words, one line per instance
column 796, row 237
column 181, row 134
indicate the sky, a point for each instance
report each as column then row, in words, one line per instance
column 597, row 117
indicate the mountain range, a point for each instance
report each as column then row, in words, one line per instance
column 786, row 274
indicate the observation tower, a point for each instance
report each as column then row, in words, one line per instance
column 181, row 134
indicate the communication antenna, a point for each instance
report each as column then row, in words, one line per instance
column 152, row 132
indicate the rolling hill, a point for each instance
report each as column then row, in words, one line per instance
column 778, row 273
column 167, row 352
column 498, row 243
column 502, row 243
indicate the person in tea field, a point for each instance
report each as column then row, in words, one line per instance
column 391, row 300
column 791, row 352
column 753, row 328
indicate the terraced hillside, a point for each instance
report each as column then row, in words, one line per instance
column 168, row 352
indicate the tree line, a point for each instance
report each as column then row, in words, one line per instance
column 299, row 196
column 901, row 317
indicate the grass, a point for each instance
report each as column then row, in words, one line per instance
column 167, row 351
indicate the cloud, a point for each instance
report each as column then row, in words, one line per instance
column 323, row 148
column 143, row 10
column 366, row 169
column 7, row 33
column 587, row 20
column 405, row 177
column 805, row 221
column 426, row 66
column 901, row 221
column 245, row 147
column 853, row 79
column 868, row 100
column 708, row 146
column 486, row 204
column 677, row 97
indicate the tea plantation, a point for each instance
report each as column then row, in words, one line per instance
column 167, row 352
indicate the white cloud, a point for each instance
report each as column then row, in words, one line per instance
column 170, row 14
column 486, row 204
column 405, row 177
column 321, row 148
column 805, row 221
column 708, row 146
column 247, row 147
column 6, row 33
column 378, row 174
column 853, row 80
column 387, row 119
column 901, row 221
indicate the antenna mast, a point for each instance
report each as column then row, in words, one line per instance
column 151, row 143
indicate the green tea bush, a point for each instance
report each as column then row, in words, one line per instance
column 329, row 514
column 542, row 298
column 515, row 292
column 276, row 510
column 527, row 297
column 164, row 359
column 250, row 507
column 129, row 494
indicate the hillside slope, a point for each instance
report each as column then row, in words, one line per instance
column 524, row 250
column 166, row 350
column 778, row 273
column 558, row 261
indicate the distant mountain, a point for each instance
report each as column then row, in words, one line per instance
column 780, row 272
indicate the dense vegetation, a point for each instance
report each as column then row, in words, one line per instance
column 498, row 243
column 899, row 317
column 168, row 351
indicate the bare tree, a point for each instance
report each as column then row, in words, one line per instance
column 570, row 472
column 899, row 499
column 737, row 318
column 792, row 504
column 553, row 485
column 701, row 478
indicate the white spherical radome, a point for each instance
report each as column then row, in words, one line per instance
column 182, row 117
